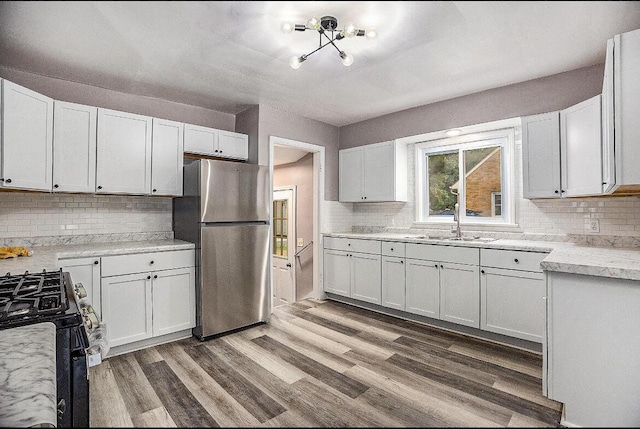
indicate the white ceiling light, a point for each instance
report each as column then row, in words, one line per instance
column 323, row 26
column 449, row 133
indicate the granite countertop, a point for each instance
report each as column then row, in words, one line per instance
column 612, row 262
column 46, row 257
column 28, row 376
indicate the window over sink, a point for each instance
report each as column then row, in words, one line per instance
column 473, row 169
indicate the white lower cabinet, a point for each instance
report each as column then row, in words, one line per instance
column 512, row 293
column 352, row 268
column 393, row 282
column 442, row 283
column 87, row 272
column 156, row 297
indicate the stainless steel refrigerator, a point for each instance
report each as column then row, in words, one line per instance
column 224, row 210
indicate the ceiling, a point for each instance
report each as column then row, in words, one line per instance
column 227, row 56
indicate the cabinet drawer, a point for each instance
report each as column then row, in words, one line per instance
column 434, row 252
column 393, row 248
column 512, row 259
column 143, row 262
column 353, row 245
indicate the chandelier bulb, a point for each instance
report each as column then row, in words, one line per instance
column 287, row 27
column 347, row 59
column 296, row 62
column 313, row 23
column 371, row 34
column 350, row 30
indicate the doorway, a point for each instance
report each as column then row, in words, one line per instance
column 284, row 245
column 285, row 168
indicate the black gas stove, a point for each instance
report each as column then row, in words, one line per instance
column 48, row 296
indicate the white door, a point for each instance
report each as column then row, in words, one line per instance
column 351, row 164
column 166, row 157
column 233, row 145
column 284, row 246
column 174, row 305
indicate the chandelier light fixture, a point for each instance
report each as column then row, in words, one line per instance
column 327, row 28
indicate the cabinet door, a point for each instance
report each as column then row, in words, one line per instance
column 541, row 156
column 87, row 272
column 174, row 304
column 423, row 288
column 366, row 277
column 512, row 303
column 608, row 158
column 460, row 294
column 200, row 140
column 233, row 145
column 123, row 153
column 337, row 272
column 351, row 175
column 379, row 172
column 27, row 138
column 581, row 148
column 74, row 147
column 393, row 282
column 126, row 308
column 167, row 151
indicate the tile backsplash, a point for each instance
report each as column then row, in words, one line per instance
column 27, row 216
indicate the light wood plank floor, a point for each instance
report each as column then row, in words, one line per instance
column 324, row 364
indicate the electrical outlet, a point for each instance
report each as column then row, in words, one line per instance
column 594, row 226
column 300, row 242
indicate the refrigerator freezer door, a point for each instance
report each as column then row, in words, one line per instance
column 233, row 192
column 234, row 278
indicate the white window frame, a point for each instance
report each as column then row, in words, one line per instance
column 472, row 137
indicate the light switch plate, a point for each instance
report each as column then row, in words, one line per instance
column 594, row 226
column 300, row 242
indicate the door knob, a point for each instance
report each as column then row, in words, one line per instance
column 289, row 265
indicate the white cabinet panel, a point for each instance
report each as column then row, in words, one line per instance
column 581, row 148
column 27, row 138
column 541, row 156
column 352, row 245
column 123, row 153
column 337, row 272
column 366, row 283
column 393, row 282
column 87, row 272
column 173, row 300
column 351, row 175
column 233, row 145
column 460, row 294
column 512, row 303
column 200, row 140
column 608, row 136
column 74, row 147
column 373, row 173
column 423, row 288
column 127, row 307
column 167, row 151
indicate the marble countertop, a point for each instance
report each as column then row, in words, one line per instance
column 28, row 376
column 612, row 262
column 46, row 257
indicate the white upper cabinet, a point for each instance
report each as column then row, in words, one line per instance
column 213, row 142
column 621, row 104
column 541, row 156
column 233, row 145
column 27, row 138
column 562, row 152
column 167, row 157
column 123, row 153
column 74, row 147
column 581, row 148
column 373, row 173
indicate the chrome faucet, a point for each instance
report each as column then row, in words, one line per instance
column 456, row 215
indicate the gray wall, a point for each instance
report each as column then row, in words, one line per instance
column 535, row 96
column 74, row 92
column 300, row 173
column 277, row 123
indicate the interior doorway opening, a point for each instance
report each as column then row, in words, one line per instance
column 296, row 166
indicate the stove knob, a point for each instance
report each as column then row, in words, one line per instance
column 90, row 320
column 80, row 290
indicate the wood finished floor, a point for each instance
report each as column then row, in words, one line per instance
column 324, row 364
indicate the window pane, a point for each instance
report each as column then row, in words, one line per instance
column 442, row 171
column 284, row 247
column 482, row 180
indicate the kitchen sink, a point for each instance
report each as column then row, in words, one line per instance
column 474, row 239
